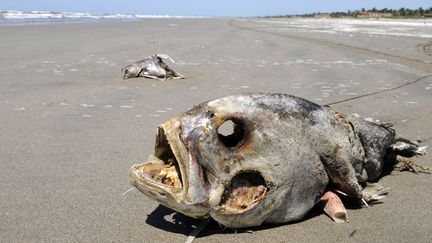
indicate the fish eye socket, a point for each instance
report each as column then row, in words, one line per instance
column 210, row 114
column 231, row 132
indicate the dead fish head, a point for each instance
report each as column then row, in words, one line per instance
column 241, row 159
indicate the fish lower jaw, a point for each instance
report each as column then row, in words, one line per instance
column 157, row 176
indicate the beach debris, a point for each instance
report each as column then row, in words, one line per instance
column 409, row 165
column 129, row 190
column 151, row 67
column 250, row 159
column 197, row 230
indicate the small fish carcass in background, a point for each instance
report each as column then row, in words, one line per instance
column 250, row 159
column 151, row 67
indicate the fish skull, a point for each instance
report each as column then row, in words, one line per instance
column 260, row 171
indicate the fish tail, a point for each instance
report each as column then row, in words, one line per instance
column 407, row 148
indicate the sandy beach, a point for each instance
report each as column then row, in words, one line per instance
column 71, row 127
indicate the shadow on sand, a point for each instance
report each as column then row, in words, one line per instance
column 169, row 220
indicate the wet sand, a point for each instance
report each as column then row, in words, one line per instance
column 71, row 127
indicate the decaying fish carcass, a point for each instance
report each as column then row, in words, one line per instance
column 151, row 67
column 280, row 156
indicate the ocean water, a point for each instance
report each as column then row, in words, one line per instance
column 46, row 17
column 420, row 28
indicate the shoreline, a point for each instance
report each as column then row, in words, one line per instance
column 53, row 21
column 84, row 21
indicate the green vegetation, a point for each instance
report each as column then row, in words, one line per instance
column 371, row 13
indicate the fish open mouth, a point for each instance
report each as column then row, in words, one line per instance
column 162, row 169
column 246, row 190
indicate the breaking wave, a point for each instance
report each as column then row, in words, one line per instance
column 29, row 17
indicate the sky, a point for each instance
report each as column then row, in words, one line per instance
column 222, row 8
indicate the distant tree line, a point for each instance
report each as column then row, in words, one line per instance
column 402, row 12
column 373, row 12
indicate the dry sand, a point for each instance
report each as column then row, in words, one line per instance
column 71, row 127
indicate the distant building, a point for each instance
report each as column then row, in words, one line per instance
column 373, row 15
column 321, row 15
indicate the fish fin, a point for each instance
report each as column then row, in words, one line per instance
column 408, row 148
column 374, row 192
column 152, row 77
column 333, row 207
column 173, row 74
column 406, row 140
column 341, row 172
column 178, row 75
column 165, row 56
